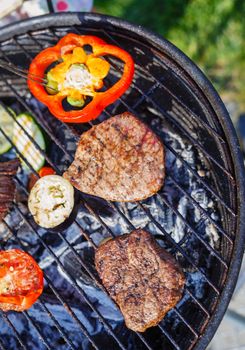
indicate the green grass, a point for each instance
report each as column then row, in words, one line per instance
column 211, row 32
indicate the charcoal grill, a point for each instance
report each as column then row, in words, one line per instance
column 198, row 215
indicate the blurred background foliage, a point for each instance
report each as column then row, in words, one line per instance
column 211, row 32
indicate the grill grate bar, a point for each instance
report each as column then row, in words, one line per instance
column 6, row 319
column 169, row 337
column 99, row 219
column 67, row 308
column 51, row 30
column 186, row 323
column 199, row 237
column 193, row 115
column 181, row 250
column 122, row 215
column 198, row 303
column 69, row 311
column 200, row 179
column 193, row 200
column 58, row 326
column 22, row 48
column 1, row 345
column 35, row 326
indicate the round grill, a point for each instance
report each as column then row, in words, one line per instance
column 198, row 215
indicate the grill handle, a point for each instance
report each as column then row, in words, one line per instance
column 50, row 6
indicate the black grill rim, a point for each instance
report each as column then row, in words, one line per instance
column 78, row 18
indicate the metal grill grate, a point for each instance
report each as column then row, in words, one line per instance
column 165, row 96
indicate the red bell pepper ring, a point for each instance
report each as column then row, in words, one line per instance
column 44, row 59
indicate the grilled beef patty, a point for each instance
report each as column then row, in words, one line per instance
column 142, row 277
column 120, row 159
column 7, row 185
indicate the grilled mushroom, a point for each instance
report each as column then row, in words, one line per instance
column 51, row 201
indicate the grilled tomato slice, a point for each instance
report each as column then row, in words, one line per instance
column 21, row 280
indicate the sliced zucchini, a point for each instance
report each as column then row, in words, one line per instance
column 6, row 123
column 51, row 201
column 25, row 145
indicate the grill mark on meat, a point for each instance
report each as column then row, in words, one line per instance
column 105, row 146
column 137, row 146
column 142, row 277
column 120, row 159
column 7, row 185
column 100, row 162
